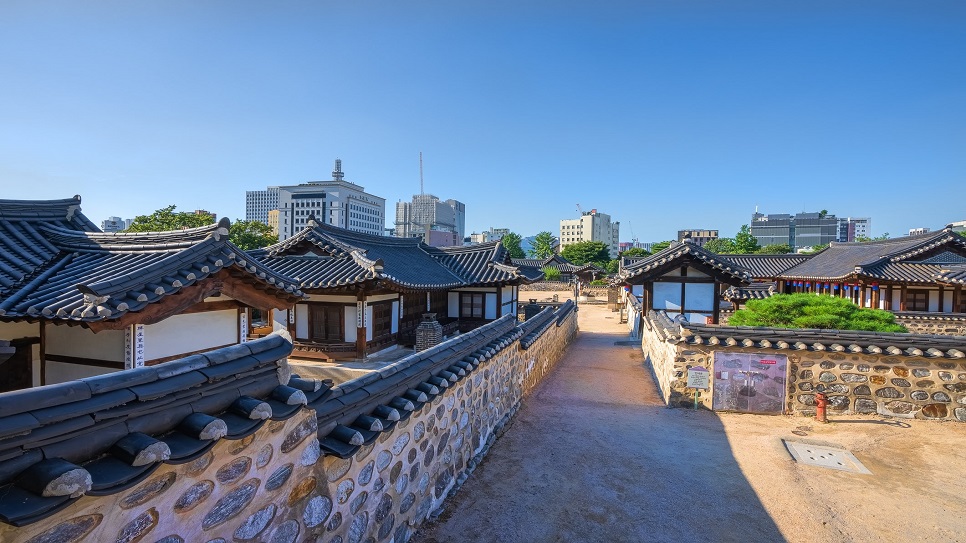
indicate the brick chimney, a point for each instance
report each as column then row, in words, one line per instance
column 429, row 333
column 531, row 309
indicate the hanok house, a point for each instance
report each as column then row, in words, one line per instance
column 683, row 279
column 368, row 293
column 921, row 273
column 568, row 270
column 76, row 302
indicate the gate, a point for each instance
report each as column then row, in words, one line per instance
column 749, row 382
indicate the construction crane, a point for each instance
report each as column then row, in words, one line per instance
column 579, row 209
column 633, row 237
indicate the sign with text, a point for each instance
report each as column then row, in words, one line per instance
column 699, row 377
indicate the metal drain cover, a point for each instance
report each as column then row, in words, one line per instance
column 826, row 457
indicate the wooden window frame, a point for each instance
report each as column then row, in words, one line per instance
column 464, row 304
column 910, row 299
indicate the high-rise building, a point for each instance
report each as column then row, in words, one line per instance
column 799, row 231
column 273, row 221
column 259, row 202
column 427, row 213
column 336, row 202
column 115, row 224
column 591, row 226
column 699, row 237
column 918, row 231
column 851, row 228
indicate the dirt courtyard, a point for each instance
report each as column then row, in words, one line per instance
column 593, row 455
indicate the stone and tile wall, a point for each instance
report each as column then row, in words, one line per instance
column 939, row 325
column 275, row 486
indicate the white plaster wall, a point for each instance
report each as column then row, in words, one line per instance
column 453, row 304
column 948, row 302
column 331, row 298
column 302, row 321
column 395, row 318
column 368, row 323
column 692, row 272
column 192, row 332
column 896, row 295
column 489, row 308
column 78, row 341
column 350, row 323
column 17, row 330
column 667, row 296
column 934, row 300
column 699, row 296
column 279, row 319
column 59, row 372
column 381, row 298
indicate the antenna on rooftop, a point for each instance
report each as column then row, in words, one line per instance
column 420, row 172
column 337, row 174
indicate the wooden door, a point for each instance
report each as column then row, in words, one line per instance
column 17, row 371
column 326, row 322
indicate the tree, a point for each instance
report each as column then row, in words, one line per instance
column 248, row 235
column 582, row 252
column 512, row 243
column 550, row 274
column 636, row 251
column 775, row 249
column 660, row 246
column 167, row 219
column 877, row 238
column 745, row 243
column 613, row 266
column 543, row 245
column 720, row 245
column 810, row 311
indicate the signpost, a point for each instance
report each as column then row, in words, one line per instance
column 699, row 379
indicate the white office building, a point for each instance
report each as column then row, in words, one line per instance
column 591, row 226
column 259, row 202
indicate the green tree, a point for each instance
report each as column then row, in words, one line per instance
column 512, row 243
column 745, row 243
column 810, row 311
column 543, row 245
column 660, row 246
column 613, row 266
column 248, row 235
column 877, row 238
column 720, row 245
column 167, row 219
column 582, row 252
column 636, row 251
column 550, row 274
column 775, row 249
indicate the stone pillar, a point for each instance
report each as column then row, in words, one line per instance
column 531, row 309
column 429, row 333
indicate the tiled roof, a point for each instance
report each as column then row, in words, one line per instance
column 23, row 249
column 953, row 275
column 843, row 260
column 768, row 266
column 323, row 256
column 754, row 291
column 556, row 261
column 662, row 261
column 842, row 341
column 102, row 435
column 94, row 276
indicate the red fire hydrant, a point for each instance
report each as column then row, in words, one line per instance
column 821, row 402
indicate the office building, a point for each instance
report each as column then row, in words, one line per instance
column 115, row 224
column 259, row 202
column 698, row 236
column 427, row 216
column 591, row 226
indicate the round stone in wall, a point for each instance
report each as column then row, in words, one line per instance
column 170, row 539
column 881, row 369
column 862, row 390
column 336, row 468
column 901, row 408
column 864, row 367
column 316, row 511
column 945, row 376
column 384, row 508
column 148, row 491
column 935, row 411
column 197, row 466
column 901, row 383
column 806, row 399
column 838, row 403
column 395, row 471
column 357, row 530
column 231, row 504
column 195, row 494
column 401, row 483
column 941, row 397
column 286, row 532
column 264, row 456
column 826, row 377
column 383, row 459
column 279, row 477
column 255, row 523
column 69, row 531
column 846, row 366
column 925, row 384
column 888, row 392
column 805, row 387
column 919, row 372
column 854, row 378
column 365, row 474
column 364, row 451
column 864, row 405
column 301, row 431
column 138, row 528
column 900, row 371
column 234, row 470
column 334, row 522
column 960, row 413
column 344, row 490
column 358, row 502
column 408, row 501
column 956, row 387
column 919, row 395
column 826, row 365
column 399, row 445
column 301, row 490
column 311, row 453
column 241, row 444
column 837, row 389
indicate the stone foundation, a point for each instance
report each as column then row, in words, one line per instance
column 939, row 325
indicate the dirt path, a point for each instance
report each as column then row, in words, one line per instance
column 593, row 455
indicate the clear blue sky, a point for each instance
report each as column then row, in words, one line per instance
column 665, row 115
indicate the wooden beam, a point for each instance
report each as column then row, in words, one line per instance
column 96, row 362
column 902, row 298
column 220, row 305
column 43, row 353
column 942, row 299
column 957, row 299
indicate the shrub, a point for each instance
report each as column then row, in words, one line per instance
column 599, row 282
column 814, row 311
column 550, row 274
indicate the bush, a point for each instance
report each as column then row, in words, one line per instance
column 598, row 283
column 550, row 274
column 814, row 311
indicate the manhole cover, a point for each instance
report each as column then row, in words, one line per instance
column 826, row 457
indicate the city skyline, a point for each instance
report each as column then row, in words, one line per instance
column 663, row 116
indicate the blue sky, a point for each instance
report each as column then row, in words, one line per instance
column 665, row 115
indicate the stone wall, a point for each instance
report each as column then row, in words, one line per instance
column 545, row 286
column 928, row 324
column 275, row 486
column 669, row 364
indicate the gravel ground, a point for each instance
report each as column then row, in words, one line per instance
column 593, row 455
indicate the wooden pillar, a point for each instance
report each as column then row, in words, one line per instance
column 499, row 301
column 957, row 299
column 875, row 297
column 648, row 298
column 888, row 298
column 43, row 353
column 902, row 298
column 361, row 324
column 717, row 302
column 942, row 299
